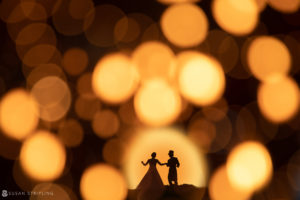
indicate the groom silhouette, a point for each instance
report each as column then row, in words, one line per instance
column 172, row 163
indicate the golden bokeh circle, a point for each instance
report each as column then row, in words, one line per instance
column 102, row 181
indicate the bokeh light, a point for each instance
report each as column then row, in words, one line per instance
column 278, row 100
column 43, row 156
column 154, row 59
column 236, row 17
column 293, row 170
column 127, row 30
column 177, row 1
column 113, row 151
column 100, row 23
column 115, row 78
column 48, row 191
column 70, row 132
column 42, row 71
column 75, row 61
column 157, row 103
column 101, row 181
column 53, row 96
column 69, row 19
column 201, row 79
column 15, row 107
column 84, row 86
column 184, row 25
column 268, row 56
column 220, row 187
column 193, row 169
column 285, row 6
column 105, row 123
column 86, row 108
column 249, row 166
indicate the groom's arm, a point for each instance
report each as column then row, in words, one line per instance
column 177, row 164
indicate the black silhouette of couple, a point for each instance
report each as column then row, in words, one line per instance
column 152, row 181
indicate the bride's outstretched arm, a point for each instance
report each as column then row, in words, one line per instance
column 145, row 163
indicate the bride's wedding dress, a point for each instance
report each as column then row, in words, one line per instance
column 151, row 186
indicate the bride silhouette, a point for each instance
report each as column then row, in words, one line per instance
column 151, row 186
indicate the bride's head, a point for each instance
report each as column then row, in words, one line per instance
column 153, row 155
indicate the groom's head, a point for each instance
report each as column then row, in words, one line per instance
column 171, row 153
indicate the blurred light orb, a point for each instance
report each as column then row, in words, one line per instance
column 220, row 187
column 201, row 79
column 113, row 151
column 115, row 78
column 177, row 1
column 43, row 156
column 192, row 170
column 105, row 123
column 268, row 56
column 235, row 16
column 101, row 181
column 75, row 61
column 156, row 103
column 184, row 25
column 154, row 59
column 70, row 132
column 53, row 96
column 278, row 100
column 249, row 166
column 86, row 108
column 19, row 114
column 44, row 188
column 285, row 6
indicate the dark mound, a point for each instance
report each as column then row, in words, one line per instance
column 180, row 192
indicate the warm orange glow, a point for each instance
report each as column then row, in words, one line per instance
column 70, row 132
column 268, row 56
column 285, row 6
column 235, row 16
column 53, row 96
column 100, row 23
column 101, row 181
column 192, row 168
column 127, row 30
column 70, row 16
column 75, row 61
column 293, row 170
column 154, row 59
column 113, row 151
column 18, row 114
column 220, row 187
column 202, row 132
column 184, row 25
column 42, row 156
column 34, row 32
column 39, row 54
column 217, row 111
column 278, row 100
column 84, row 86
column 177, row 1
column 42, row 71
column 127, row 114
column 86, row 108
column 50, row 190
column 78, row 9
column 105, row 123
column 115, row 78
column 201, row 78
column 156, row 103
column 249, row 166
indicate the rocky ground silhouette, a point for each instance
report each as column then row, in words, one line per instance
column 180, row 192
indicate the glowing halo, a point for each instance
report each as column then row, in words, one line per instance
column 192, row 170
